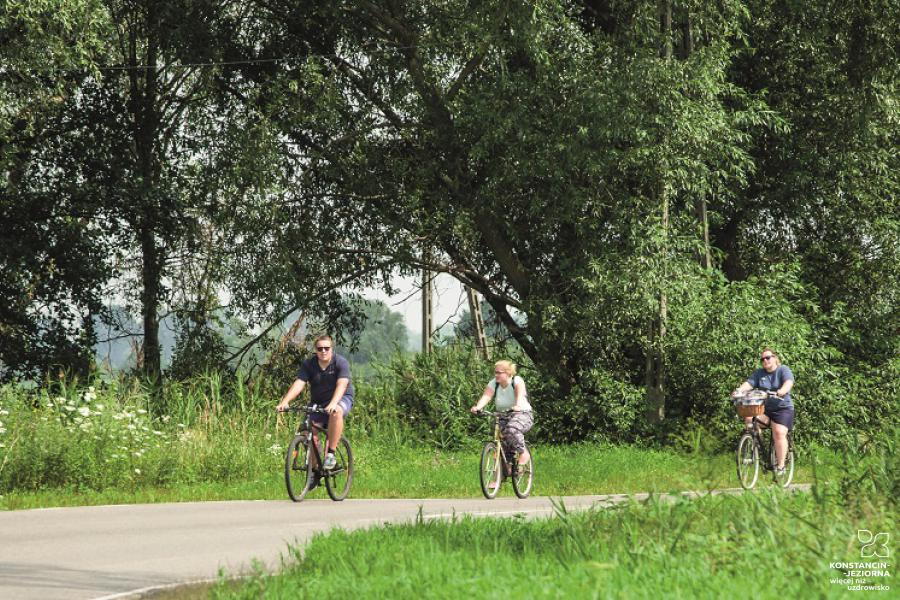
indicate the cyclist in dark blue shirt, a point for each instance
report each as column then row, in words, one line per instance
column 779, row 412
column 328, row 376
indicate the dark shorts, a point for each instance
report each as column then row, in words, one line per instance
column 321, row 418
column 782, row 416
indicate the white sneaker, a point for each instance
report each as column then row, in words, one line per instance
column 330, row 461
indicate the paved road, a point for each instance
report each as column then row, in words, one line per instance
column 108, row 551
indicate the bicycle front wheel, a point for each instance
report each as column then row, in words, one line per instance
column 296, row 467
column 339, row 479
column 785, row 479
column 523, row 476
column 747, row 458
column 491, row 469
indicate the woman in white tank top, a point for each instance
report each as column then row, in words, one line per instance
column 509, row 394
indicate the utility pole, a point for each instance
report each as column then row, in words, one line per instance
column 427, row 312
column 477, row 322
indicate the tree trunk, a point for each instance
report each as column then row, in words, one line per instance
column 655, row 367
column 150, row 277
column 144, row 113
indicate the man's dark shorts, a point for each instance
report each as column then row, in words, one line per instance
column 782, row 416
column 321, row 418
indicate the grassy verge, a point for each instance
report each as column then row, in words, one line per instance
column 386, row 470
column 766, row 544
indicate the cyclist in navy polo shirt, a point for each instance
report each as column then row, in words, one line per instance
column 779, row 412
column 328, row 376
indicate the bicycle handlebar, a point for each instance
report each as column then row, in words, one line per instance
column 768, row 393
column 491, row 413
column 303, row 409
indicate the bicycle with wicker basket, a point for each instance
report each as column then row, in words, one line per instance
column 755, row 448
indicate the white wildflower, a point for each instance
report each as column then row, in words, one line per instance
column 141, row 411
column 165, row 418
column 84, row 411
column 99, row 406
column 275, row 449
column 157, row 432
column 3, row 412
column 69, row 407
column 137, row 471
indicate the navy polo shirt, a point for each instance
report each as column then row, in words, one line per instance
column 764, row 380
column 322, row 382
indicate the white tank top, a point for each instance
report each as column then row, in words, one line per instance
column 505, row 398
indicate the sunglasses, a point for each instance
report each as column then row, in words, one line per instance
column 323, row 348
column 769, row 357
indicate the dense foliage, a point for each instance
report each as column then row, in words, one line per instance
column 644, row 192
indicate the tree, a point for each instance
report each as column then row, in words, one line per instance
column 825, row 190
column 137, row 145
column 52, row 263
column 383, row 333
column 515, row 144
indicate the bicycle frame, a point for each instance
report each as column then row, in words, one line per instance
column 337, row 479
column 307, row 424
column 763, row 445
column 755, row 450
column 521, row 476
column 499, row 455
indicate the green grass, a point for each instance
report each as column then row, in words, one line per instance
column 766, row 544
column 386, row 470
column 115, row 443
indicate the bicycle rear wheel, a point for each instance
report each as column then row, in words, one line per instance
column 296, row 467
column 491, row 469
column 747, row 458
column 339, row 479
column 523, row 476
column 788, row 476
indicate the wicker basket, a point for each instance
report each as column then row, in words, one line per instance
column 750, row 410
column 751, row 404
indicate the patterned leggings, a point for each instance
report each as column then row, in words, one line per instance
column 513, row 428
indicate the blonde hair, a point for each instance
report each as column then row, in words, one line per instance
column 775, row 354
column 506, row 365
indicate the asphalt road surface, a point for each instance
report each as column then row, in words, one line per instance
column 120, row 551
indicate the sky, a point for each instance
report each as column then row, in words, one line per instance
column 448, row 304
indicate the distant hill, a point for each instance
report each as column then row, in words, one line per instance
column 384, row 331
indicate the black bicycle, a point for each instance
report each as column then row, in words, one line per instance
column 303, row 459
column 754, row 444
column 495, row 465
